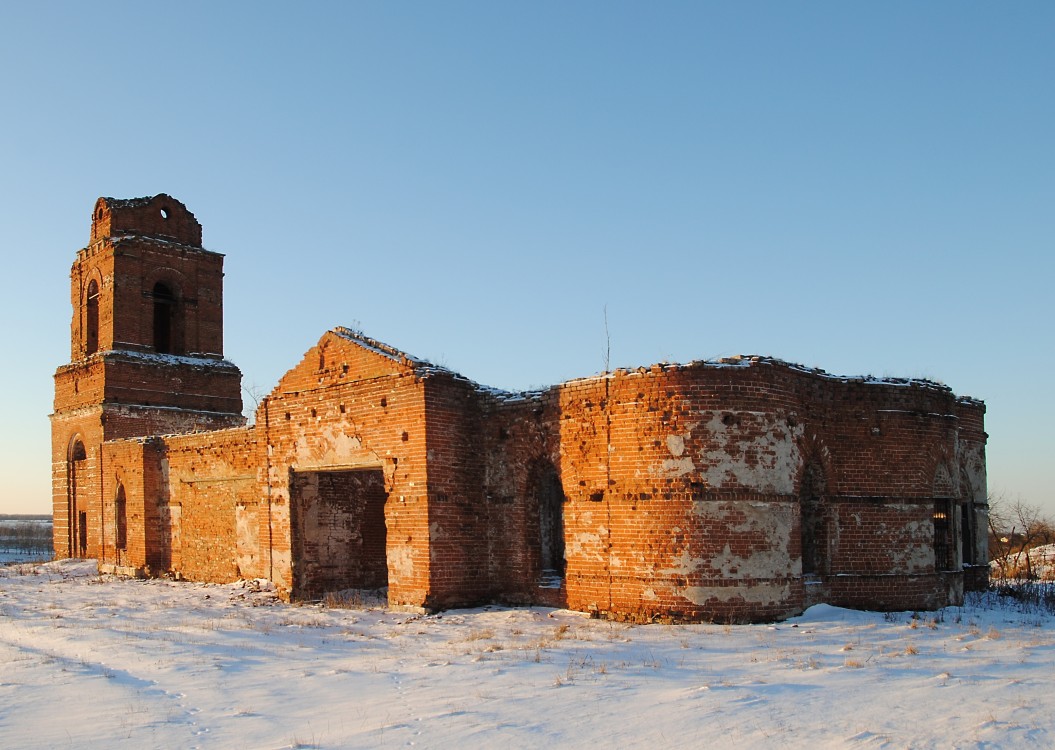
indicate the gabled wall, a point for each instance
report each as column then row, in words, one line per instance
column 344, row 407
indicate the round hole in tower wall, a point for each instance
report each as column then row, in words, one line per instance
column 164, row 213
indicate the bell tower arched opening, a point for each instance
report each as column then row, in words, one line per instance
column 164, row 318
column 91, row 318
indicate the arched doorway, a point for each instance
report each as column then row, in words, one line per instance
column 813, row 514
column 76, row 481
column 548, row 496
column 120, row 520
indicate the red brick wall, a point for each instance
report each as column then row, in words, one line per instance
column 457, row 512
column 83, row 424
column 209, row 483
column 345, row 407
column 192, row 505
column 678, row 484
column 682, row 488
column 132, row 465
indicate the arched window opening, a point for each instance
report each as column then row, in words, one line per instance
column 942, row 534
column 814, row 526
column 91, row 319
column 968, row 522
column 967, row 525
column 944, row 541
column 76, row 476
column 164, row 317
column 120, row 519
column 549, row 499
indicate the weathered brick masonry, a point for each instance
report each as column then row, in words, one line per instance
column 743, row 489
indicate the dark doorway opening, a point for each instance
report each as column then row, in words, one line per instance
column 339, row 533
column 76, row 475
column 549, row 499
column 121, row 519
column 82, row 534
column 814, row 522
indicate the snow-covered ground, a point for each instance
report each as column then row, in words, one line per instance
column 89, row 661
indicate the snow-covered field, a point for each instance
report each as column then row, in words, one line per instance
column 25, row 538
column 8, row 556
column 89, row 661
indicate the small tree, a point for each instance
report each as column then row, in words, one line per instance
column 255, row 393
column 1016, row 528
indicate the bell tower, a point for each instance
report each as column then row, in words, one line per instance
column 146, row 353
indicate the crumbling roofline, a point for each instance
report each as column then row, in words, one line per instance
column 425, row 369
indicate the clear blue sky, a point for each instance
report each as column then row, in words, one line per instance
column 864, row 187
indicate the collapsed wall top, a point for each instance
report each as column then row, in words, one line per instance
column 161, row 217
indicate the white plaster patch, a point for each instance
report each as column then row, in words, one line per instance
column 769, row 521
column 676, row 445
column 682, row 565
column 585, row 545
column 282, row 563
column 912, row 550
column 400, row 564
column 766, row 593
column 767, row 463
column 760, row 564
column 972, row 460
column 677, row 466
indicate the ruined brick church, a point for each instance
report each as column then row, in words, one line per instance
column 743, row 489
